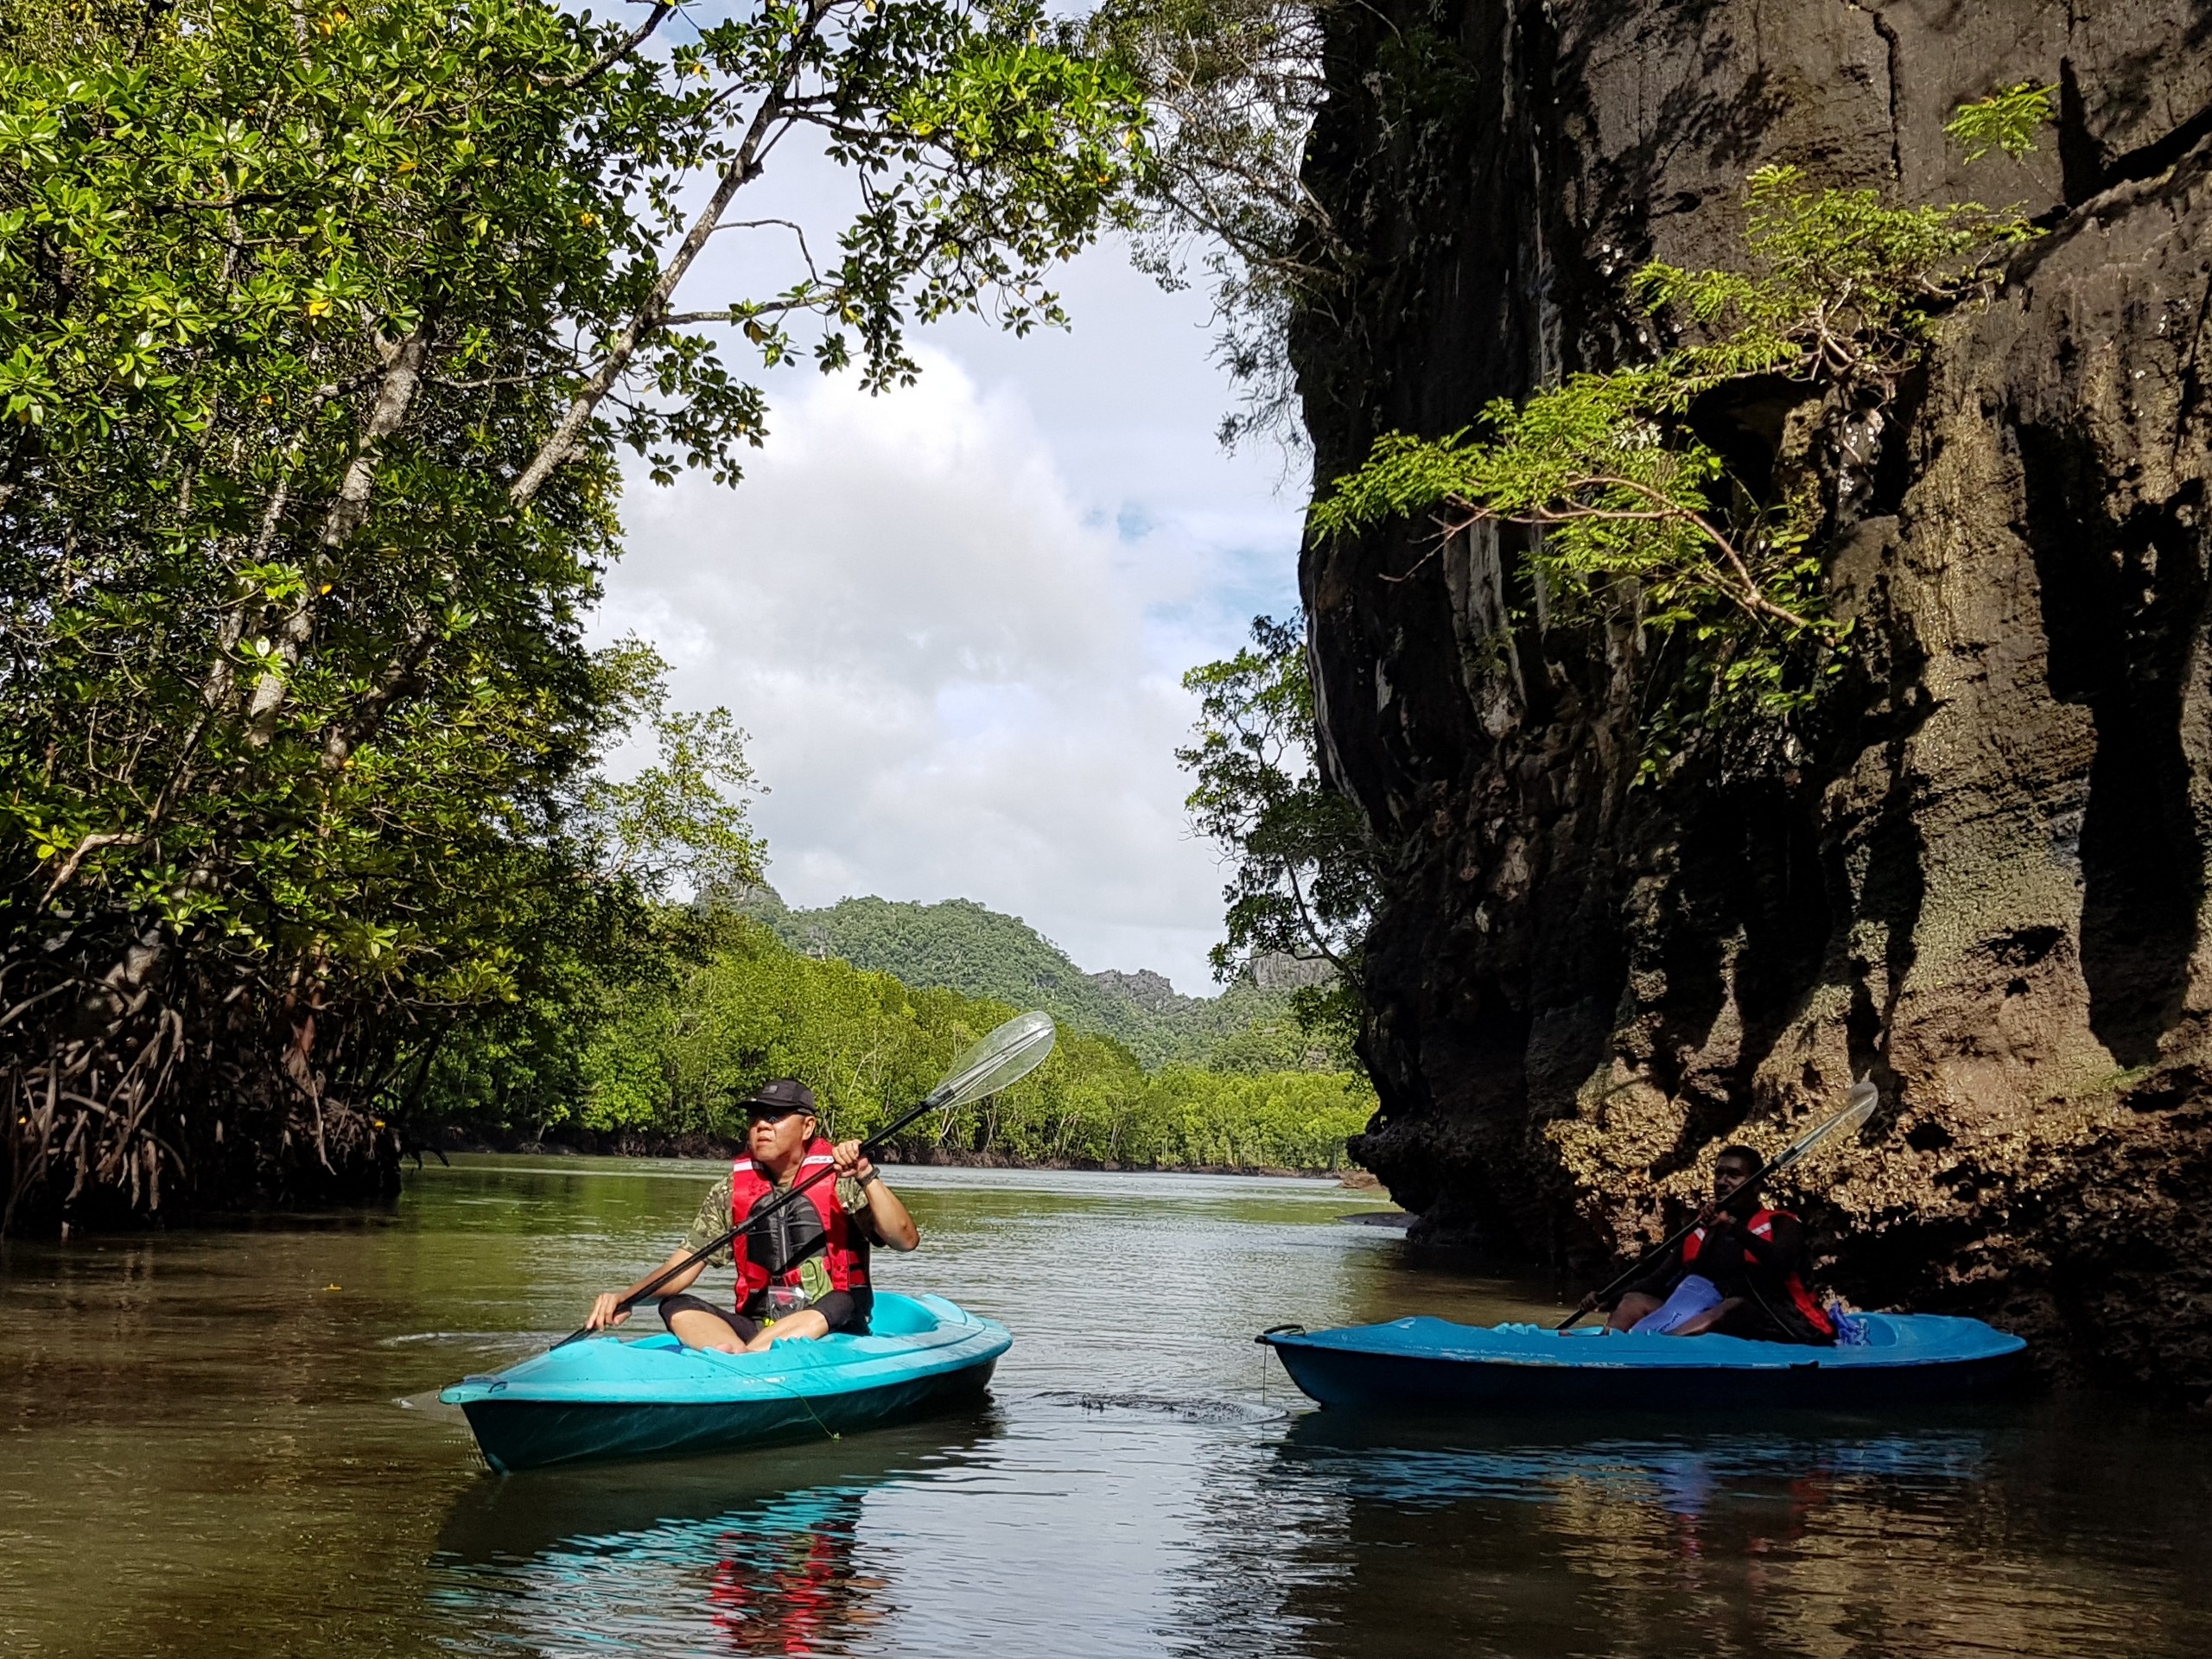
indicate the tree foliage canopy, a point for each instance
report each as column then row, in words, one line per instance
column 1306, row 869
column 322, row 330
column 960, row 945
column 1233, row 87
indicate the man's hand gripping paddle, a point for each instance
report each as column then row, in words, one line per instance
column 1862, row 1098
column 1006, row 1056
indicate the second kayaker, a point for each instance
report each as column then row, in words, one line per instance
column 1741, row 1273
column 804, row 1272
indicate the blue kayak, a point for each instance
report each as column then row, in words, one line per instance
column 654, row 1397
column 1424, row 1363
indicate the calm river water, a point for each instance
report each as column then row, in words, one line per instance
column 207, row 1453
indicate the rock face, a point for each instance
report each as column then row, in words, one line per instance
column 1989, row 888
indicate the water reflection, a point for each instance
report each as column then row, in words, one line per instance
column 755, row 1553
column 1749, row 1535
column 1656, row 1461
column 204, row 1457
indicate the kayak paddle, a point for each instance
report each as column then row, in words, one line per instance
column 1862, row 1100
column 1003, row 1057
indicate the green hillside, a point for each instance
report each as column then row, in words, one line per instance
column 958, row 945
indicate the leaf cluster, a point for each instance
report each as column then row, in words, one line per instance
column 1232, row 88
column 1306, row 873
column 1842, row 289
column 1620, row 511
column 2011, row 119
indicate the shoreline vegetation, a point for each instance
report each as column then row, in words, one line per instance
column 656, row 1062
column 1350, row 1177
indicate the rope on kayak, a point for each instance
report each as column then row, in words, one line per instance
column 778, row 1383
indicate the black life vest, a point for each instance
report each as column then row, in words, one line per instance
column 817, row 1223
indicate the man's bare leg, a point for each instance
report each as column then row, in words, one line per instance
column 696, row 1328
column 794, row 1327
column 1698, row 1323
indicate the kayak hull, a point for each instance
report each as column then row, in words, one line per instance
column 532, row 1434
column 654, row 1398
column 1423, row 1364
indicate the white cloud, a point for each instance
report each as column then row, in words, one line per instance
column 958, row 661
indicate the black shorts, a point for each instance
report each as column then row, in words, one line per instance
column 838, row 1307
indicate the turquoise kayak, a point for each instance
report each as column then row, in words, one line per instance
column 654, row 1397
column 1424, row 1363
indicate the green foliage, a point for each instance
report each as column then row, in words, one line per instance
column 682, row 817
column 1589, row 464
column 1843, row 290
column 1622, row 514
column 2010, row 120
column 1232, row 88
column 1306, row 872
column 959, row 945
column 322, row 333
column 674, row 1053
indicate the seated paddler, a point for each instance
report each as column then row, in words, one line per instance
column 1740, row 1272
column 804, row 1272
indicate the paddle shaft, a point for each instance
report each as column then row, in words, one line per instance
column 869, row 1147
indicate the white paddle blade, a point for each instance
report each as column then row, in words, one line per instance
column 1858, row 1106
column 1006, row 1056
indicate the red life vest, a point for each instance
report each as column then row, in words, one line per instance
column 842, row 1253
column 1761, row 1225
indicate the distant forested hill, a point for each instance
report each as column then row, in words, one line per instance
column 958, row 945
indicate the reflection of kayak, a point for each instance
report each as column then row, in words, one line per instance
column 671, row 1505
column 1659, row 1457
column 744, row 1552
column 1422, row 1363
column 655, row 1397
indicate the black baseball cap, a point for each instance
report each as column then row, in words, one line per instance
column 780, row 1098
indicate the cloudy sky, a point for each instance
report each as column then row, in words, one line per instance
column 953, row 619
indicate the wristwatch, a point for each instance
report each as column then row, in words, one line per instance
column 873, row 1175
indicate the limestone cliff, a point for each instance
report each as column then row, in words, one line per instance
column 1988, row 886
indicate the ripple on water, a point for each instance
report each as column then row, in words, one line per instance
column 200, row 1418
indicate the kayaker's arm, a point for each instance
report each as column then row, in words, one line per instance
column 604, row 1312
column 886, row 1214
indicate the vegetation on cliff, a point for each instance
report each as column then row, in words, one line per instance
column 1232, row 88
column 321, row 330
column 1618, row 497
column 670, row 1052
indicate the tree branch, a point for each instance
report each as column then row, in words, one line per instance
column 740, row 169
column 613, row 55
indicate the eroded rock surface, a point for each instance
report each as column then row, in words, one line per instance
column 1989, row 889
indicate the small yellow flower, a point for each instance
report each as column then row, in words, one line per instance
column 318, row 307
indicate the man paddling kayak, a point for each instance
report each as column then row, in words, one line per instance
column 1741, row 1272
column 805, row 1272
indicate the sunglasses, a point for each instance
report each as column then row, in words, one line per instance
column 772, row 1114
